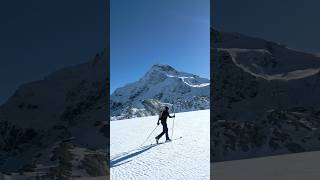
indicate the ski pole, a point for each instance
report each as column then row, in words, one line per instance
column 173, row 120
column 149, row 135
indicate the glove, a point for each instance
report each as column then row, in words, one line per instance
column 158, row 123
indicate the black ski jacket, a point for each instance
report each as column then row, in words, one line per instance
column 165, row 114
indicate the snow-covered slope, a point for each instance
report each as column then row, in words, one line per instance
column 265, row 98
column 58, row 126
column 183, row 158
column 161, row 85
column 283, row 167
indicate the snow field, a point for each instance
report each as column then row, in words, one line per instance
column 282, row 167
column 183, row 158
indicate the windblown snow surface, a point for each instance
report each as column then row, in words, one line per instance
column 282, row 167
column 183, row 158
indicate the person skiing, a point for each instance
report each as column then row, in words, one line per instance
column 164, row 115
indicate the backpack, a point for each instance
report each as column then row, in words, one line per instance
column 160, row 113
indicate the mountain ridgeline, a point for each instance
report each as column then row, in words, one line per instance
column 57, row 127
column 161, row 85
column 266, row 98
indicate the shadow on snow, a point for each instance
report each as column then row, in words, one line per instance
column 124, row 158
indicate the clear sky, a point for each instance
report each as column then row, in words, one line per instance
column 38, row 37
column 146, row 32
column 291, row 22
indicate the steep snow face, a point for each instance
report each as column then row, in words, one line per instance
column 265, row 98
column 56, row 124
column 161, row 85
column 183, row 158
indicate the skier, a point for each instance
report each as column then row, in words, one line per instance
column 164, row 115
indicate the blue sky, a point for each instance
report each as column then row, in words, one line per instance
column 38, row 37
column 291, row 22
column 146, row 32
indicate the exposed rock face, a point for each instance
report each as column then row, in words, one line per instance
column 56, row 125
column 265, row 98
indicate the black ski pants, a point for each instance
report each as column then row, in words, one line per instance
column 164, row 131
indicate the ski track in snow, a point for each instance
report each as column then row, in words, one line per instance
column 182, row 159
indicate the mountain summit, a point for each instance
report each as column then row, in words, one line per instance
column 161, row 85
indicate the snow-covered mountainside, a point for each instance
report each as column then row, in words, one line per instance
column 265, row 98
column 182, row 158
column 57, row 127
column 161, row 85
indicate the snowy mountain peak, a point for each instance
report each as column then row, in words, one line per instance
column 163, row 68
column 159, row 71
column 265, row 98
column 59, row 115
column 161, row 84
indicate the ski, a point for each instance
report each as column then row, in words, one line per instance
column 157, row 143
